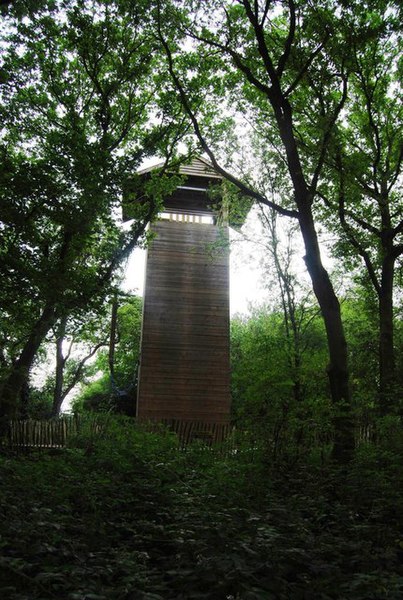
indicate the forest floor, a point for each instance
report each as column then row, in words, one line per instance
column 130, row 517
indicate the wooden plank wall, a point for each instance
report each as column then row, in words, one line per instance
column 184, row 368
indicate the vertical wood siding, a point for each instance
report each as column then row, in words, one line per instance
column 184, row 368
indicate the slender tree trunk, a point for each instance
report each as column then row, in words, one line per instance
column 337, row 370
column 19, row 374
column 387, row 367
column 295, row 350
column 60, row 365
column 338, row 361
column 112, row 338
column 297, row 388
column 289, row 312
column 387, row 375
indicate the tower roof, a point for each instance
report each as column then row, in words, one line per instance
column 192, row 196
column 199, row 167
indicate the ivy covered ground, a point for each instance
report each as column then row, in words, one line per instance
column 130, row 517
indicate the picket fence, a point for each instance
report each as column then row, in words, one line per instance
column 55, row 433
column 52, row 433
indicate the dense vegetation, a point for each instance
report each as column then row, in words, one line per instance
column 129, row 516
column 299, row 106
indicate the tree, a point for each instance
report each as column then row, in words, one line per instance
column 70, row 369
column 263, row 380
column 115, row 386
column 78, row 85
column 295, row 302
column 263, row 52
column 364, row 193
column 61, row 363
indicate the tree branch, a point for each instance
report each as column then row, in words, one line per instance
column 397, row 169
column 368, row 103
column 351, row 236
column 262, row 47
column 397, row 251
column 203, row 143
column 326, row 137
column 78, row 371
column 265, row 13
column 261, row 87
column 306, row 66
column 290, row 38
column 364, row 224
column 398, row 229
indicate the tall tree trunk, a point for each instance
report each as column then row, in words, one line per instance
column 387, row 366
column 112, row 337
column 337, row 370
column 386, row 350
column 19, row 374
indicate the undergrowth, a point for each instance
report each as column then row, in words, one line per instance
column 128, row 516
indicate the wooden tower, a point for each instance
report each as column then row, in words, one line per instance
column 184, row 366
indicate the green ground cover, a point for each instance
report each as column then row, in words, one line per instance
column 130, row 517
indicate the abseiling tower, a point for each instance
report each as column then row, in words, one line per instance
column 184, row 371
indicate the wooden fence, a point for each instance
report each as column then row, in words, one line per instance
column 54, row 433
column 189, row 431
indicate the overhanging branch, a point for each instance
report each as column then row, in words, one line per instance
column 246, row 190
column 326, row 137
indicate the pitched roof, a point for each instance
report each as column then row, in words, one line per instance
column 199, row 167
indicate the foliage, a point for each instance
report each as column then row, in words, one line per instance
column 360, row 319
column 79, row 83
column 40, row 400
column 116, row 392
column 127, row 344
column 126, row 515
column 263, row 382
